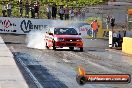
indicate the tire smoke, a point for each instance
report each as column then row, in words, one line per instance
column 35, row 39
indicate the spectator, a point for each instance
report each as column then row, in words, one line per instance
column 54, row 11
column 75, row 12
column 61, row 12
column 94, row 26
column 112, row 22
column 9, row 9
column 83, row 14
column 119, row 39
column 107, row 22
column 21, row 7
column 36, row 8
column 79, row 13
column 32, row 10
column 71, row 13
column 66, row 12
column 48, row 10
column 27, row 8
column 3, row 9
column 115, row 42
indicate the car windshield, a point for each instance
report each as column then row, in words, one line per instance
column 65, row 31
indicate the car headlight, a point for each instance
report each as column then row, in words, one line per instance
column 79, row 39
column 58, row 39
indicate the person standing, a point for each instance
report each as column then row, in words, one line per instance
column 119, row 39
column 66, row 13
column 79, row 14
column 36, row 8
column 71, row 13
column 112, row 22
column 3, row 9
column 107, row 22
column 48, row 10
column 54, row 11
column 27, row 8
column 9, row 9
column 115, row 40
column 83, row 14
column 32, row 10
column 94, row 26
column 61, row 12
column 21, row 7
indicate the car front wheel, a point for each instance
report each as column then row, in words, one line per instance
column 71, row 48
column 54, row 48
column 81, row 49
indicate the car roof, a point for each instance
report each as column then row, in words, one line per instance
column 52, row 28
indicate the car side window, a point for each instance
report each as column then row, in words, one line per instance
column 52, row 30
column 48, row 31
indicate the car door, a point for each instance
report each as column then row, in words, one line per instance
column 49, row 38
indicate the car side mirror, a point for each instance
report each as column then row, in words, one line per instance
column 79, row 33
column 50, row 33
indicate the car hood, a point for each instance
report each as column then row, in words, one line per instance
column 67, row 36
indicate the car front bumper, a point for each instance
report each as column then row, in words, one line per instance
column 69, row 44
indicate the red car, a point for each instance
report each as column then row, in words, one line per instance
column 63, row 37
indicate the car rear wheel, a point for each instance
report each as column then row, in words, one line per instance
column 47, row 46
column 81, row 49
column 54, row 48
column 71, row 48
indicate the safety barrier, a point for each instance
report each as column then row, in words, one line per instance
column 25, row 25
column 21, row 25
column 127, row 45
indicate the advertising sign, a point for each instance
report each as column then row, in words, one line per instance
column 83, row 28
column 24, row 25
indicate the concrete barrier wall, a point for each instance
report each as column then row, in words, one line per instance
column 10, row 75
column 127, row 45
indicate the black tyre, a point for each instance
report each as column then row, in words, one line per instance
column 81, row 80
column 71, row 48
column 46, row 46
column 54, row 48
column 81, row 49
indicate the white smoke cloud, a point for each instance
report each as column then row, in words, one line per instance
column 35, row 39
